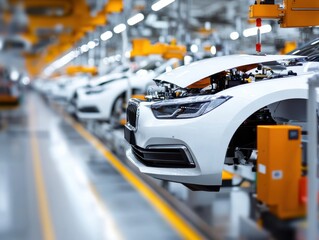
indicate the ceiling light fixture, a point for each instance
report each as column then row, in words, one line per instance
column 91, row 44
column 119, row 28
column 161, row 4
column 194, row 48
column 234, row 35
column 135, row 19
column 106, row 35
column 84, row 48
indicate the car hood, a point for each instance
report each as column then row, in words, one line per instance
column 185, row 76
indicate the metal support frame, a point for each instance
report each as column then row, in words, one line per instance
column 312, row 159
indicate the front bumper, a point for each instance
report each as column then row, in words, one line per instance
column 203, row 164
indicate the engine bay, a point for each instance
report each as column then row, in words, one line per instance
column 224, row 80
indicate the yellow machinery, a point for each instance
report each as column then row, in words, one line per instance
column 64, row 21
column 72, row 70
column 7, row 99
column 279, row 171
column 291, row 13
column 289, row 46
column 143, row 47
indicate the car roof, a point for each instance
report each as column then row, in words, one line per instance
column 186, row 75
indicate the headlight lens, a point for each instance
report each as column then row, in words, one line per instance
column 190, row 107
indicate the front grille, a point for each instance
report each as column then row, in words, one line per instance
column 90, row 109
column 131, row 112
column 169, row 157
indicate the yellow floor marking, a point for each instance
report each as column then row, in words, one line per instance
column 44, row 211
column 183, row 228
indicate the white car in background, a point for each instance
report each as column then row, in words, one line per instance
column 66, row 86
column 119, row 72
column 207, row 113
column 107, row 102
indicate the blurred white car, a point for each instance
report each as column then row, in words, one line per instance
column 207, row 113
column 119, row 72
column 107, row 102
column 66, row 86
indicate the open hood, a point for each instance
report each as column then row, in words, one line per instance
column 187, row 75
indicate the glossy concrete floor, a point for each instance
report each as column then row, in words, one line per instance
column 55, row 185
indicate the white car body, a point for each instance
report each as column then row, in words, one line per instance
column 97, row 103
column 201, row 143
column 66, row 87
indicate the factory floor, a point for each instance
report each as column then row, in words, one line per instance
column 56, row 184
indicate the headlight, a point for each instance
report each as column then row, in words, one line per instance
column 189, row 107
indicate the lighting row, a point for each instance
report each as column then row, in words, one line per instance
column 108, row 34
column 251, row 32
column 122, row 27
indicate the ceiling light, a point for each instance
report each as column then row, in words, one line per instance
column 161, row 4
column 187, row 60
column 213, row 50
column 25, row 80
column 119, row 28
column 234, row 35
column 106, row 35
column 128, row 54
column 91, row 44
column 84, row 48
column 14, row 75
column 194, row 48
column 253, row 31
column 135, row 19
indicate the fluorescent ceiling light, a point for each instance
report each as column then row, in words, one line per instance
column 25, row 80
column 84, row 48
column 253, row 31
column 234, row 35
column 128, row 54
column 161, row 4
column 194, row 48
column 106, row 35
column 91, row 44
column 119, row 28
column 135, row 19
column 14, row 75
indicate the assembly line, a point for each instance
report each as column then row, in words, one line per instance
column 162, row 119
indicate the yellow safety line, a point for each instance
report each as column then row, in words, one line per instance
column 183, row 228
column 44, row 211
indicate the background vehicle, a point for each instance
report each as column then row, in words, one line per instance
column 107, row 102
